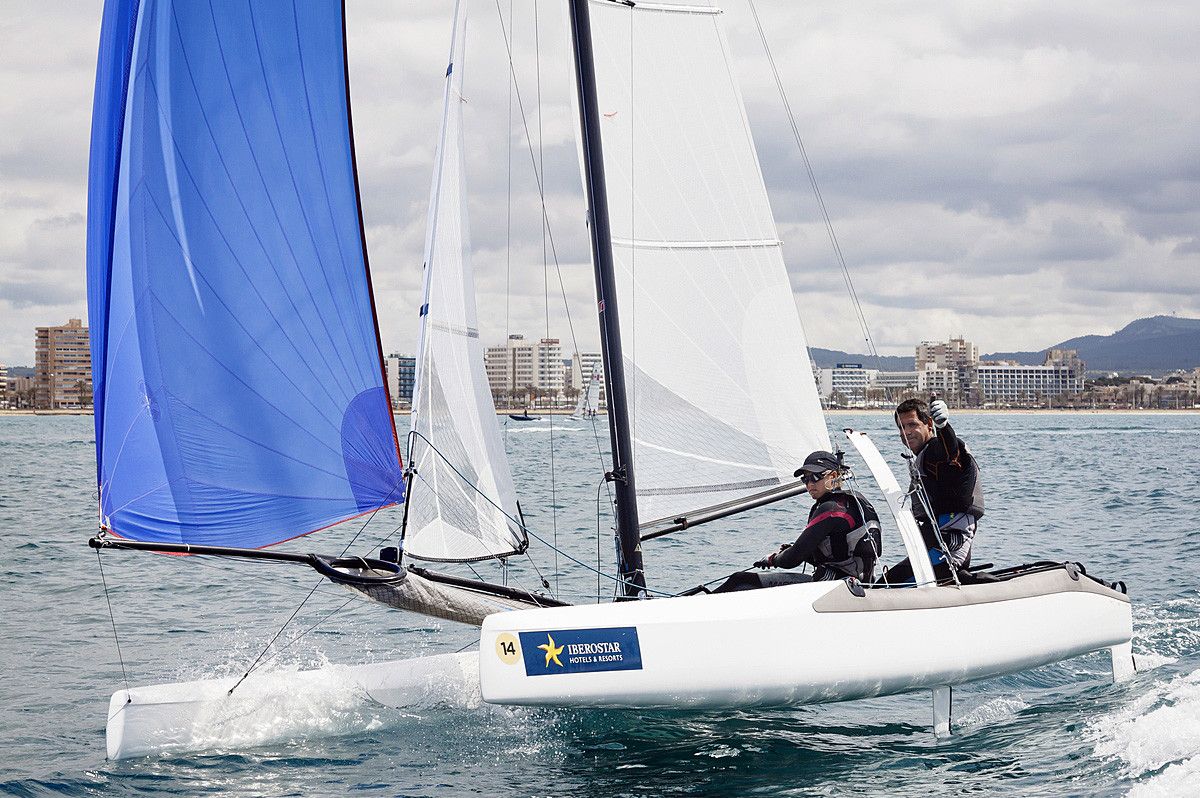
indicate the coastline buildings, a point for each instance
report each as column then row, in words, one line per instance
column 952, row 370
column 853, row 385
column 62, row 367
column 523, row 371
column 1006, row 383
column 3, row 386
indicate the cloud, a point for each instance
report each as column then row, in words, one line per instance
column 1020, row 174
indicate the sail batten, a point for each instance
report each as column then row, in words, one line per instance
column 239, row 391
column 723, row 403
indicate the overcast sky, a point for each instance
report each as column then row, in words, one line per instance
column 1019, row 173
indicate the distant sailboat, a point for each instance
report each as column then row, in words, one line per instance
column 589, row 398
column 228, row 281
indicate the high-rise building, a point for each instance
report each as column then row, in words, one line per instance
column 956, row 353
column 3, row 386
column 943, row 367
column 520, row 367
column 549, row 376
column 401, row 374
column 62, row 367
column 941, row 382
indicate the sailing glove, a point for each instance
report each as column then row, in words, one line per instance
column 766, row 562
column 940, row 413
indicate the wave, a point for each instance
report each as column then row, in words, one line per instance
column 1156, row 737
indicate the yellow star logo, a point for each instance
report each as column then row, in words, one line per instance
column 552, row 651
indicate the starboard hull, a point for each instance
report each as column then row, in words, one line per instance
column 795, row 644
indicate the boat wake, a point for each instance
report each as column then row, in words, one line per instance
column 990, row 712
column 1156, row 737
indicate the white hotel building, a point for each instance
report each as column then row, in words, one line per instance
column 1013, row 384
column 521, row 365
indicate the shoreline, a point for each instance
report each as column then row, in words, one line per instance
column 1020, row 411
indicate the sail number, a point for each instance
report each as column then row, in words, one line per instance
column 507, row 648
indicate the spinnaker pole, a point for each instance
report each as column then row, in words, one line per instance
column 629, row 545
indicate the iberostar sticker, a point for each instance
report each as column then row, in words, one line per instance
column 552, row 651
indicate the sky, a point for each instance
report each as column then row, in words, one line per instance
column 1017, row 173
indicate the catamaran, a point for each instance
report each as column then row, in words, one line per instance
column 241, row 402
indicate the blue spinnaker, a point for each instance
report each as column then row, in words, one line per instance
column 238, row 379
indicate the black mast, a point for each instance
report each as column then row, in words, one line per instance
column 629, row 545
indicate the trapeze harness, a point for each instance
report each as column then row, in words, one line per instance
column 955, row 492
column 839, row 554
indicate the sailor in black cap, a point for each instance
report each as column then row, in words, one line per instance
column 842, row 535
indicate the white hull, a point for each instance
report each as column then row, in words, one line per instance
column 276, row 706
column 797, row 644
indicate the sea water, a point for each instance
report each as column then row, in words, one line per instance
column 1120, row 493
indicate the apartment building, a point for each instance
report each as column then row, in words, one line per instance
column 401, row 374
column 520, row 366
column 62, row 367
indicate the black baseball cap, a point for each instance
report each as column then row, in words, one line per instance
column 819, row 462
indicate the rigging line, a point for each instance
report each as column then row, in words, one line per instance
column 113, row 619
column 508, row 241
column 285, row 646
column 267, row 647
column 616, row 579
column 541, row 577
column 374, row 512
column 537, row 51
column 518, row 522
column 515, row 90
column 631, row 392
column 837, row 248
column 379, row 543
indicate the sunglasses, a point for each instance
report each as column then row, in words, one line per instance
column 808, row 478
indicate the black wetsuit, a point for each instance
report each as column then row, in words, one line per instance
column 951, row 478
column 841, row 539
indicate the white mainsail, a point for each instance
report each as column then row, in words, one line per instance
column 462, row 503
column 722, row 399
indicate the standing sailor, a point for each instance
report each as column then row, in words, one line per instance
column 947, row 472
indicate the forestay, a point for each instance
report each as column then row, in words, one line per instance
column 723, row 402
column 462, row 504
column 239, row 389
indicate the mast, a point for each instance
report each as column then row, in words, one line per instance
column 629, row 546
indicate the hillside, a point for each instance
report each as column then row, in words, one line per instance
column 828, row 358
column 1153, row 345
